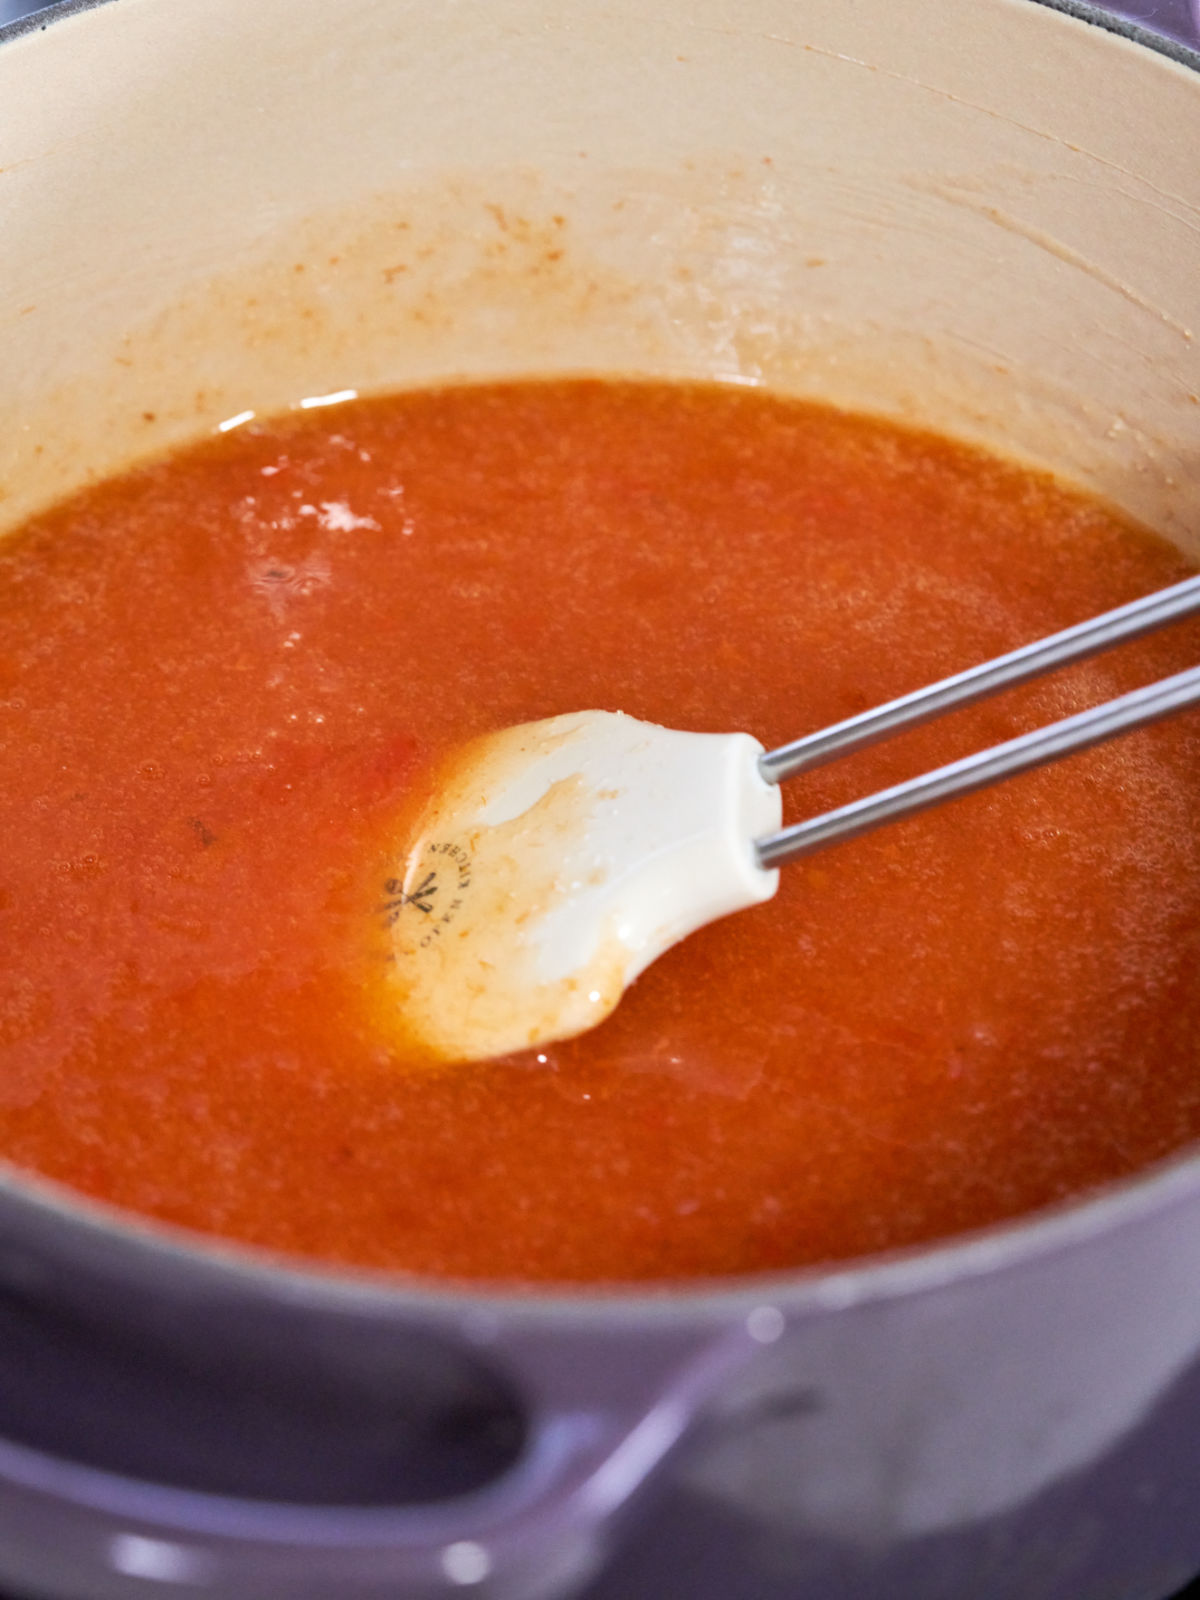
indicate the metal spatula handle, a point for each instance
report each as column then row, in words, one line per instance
column 1029, row 750
column 965, row 688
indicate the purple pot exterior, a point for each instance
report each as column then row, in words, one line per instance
column 1010, row 1417
column 1000, row 1418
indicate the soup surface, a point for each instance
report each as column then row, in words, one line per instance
column 224, row 676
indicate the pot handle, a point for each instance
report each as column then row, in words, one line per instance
column 606, row 1408
column 545, row 1527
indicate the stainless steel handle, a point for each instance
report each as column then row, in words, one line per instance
column 1085, row 639
column 1029, row 750
column 1021, row 754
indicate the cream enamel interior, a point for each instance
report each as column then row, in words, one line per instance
column 983, row 217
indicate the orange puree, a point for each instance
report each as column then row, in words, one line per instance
column 224, row 675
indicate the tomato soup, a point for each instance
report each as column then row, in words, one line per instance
column 225, row 676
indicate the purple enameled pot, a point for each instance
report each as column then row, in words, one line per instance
column 1011, row 1416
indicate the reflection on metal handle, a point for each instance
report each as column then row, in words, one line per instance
column 964, row 688
column 1030, row 750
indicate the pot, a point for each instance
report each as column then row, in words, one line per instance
column 980, row 217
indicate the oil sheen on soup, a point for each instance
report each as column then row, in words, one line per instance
column 225, row 676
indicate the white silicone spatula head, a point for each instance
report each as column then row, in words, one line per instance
column 556, row 862
column 560, row 858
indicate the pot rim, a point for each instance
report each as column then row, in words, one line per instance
column 1083, row 10
column 106, row 1236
